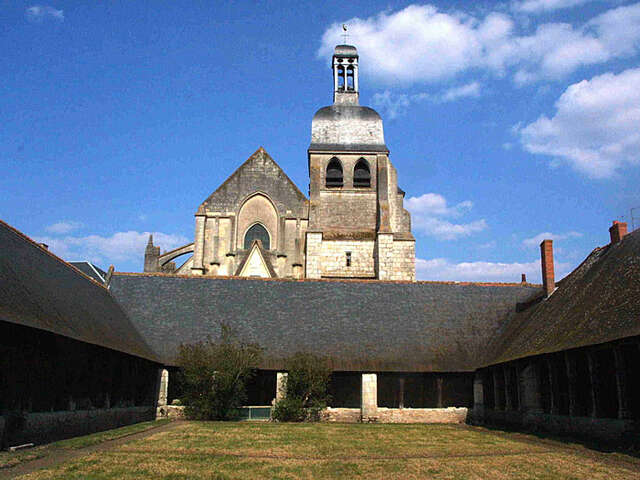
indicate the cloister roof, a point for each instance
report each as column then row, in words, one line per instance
column 359, row 325
column 40, row 290
column 598, row 302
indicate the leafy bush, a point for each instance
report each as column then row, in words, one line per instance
column 306, row 389
column 215, row 375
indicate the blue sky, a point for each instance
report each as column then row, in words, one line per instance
column 507, row 121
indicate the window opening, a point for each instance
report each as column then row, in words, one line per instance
column 334, row 173
column 256, row 232
column 341, row 78
column 361, row 174
column 350, row 85
column 348, row 258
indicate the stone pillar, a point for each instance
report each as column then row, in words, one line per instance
column 314, row 250
column 569, row 364
column 355, row 78
column 369, row 402
column 384, row 255
column 215, row 257
column 281, row 385
column 531, row 389
column 478, row 396
column 198, row 246
column 593, row 380
column 401, row 393
column 621, row 385
column 439, row 386
column 507, row 389
column 554, row 401
column 164, row 387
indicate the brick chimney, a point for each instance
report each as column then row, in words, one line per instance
column 524, row 278
column 548, row 276
column 617, row 231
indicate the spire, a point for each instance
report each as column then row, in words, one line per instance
column 345, row 75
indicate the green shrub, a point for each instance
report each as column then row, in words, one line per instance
column 215, row 375
column 305, row 390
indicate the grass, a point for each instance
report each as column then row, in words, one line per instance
column 9, row 459
column 245, row 450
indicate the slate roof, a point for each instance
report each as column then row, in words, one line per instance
column 39, row 290
column 347, row 128
column 360, row 325
column 91, row 270
column 598, row 302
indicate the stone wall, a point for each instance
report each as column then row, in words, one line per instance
column 422, row 415
column 170, row 411
column 341, row 209
column 47, row 427
column 341, row 415
column 333, row 258
column 396, row 258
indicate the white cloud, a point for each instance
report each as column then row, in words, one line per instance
column 396, row 104
column 40, row 13
column 422, row 44
column 540, row 6
column 537, row 240
column 595, row 126
column 436, row 204
column 443, row 269
column 393, row 105
column 60, row 228
column 469, row 90
column 428, row 210
column 121, row 246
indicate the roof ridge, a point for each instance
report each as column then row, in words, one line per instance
column 344, row 280
column 51, row 254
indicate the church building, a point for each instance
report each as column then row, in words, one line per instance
column 353, row 225
column 331, row 274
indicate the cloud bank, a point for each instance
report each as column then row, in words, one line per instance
column 595, row 126
column 421, row 44
column 104, row 250
column 431, row 214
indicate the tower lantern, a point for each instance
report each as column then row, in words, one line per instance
column 345, row 75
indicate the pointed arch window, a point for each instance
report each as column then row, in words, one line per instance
column 361, row 174
column 334, row 177
column 256, row 232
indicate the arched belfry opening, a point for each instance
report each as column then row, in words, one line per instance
column 350, row 78
column 257, row 232
column 362, row 174
column 334, row 176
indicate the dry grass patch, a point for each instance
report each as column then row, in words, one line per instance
column 315, row 451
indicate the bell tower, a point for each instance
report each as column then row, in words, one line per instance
column 358, row 226
column 345, row 75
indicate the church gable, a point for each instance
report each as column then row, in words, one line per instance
column 259, row 173
column 256, row 263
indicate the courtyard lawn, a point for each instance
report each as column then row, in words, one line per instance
column 248, row 450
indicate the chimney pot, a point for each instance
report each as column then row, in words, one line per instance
column 617, row 231
column 548, row 274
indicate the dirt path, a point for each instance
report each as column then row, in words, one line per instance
column 57, row 456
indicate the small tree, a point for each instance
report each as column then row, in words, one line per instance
column 215, row 375
column 306, row 388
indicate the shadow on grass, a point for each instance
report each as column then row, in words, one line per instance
column 628, row 444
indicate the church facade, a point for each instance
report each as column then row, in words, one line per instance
column 353, row 225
